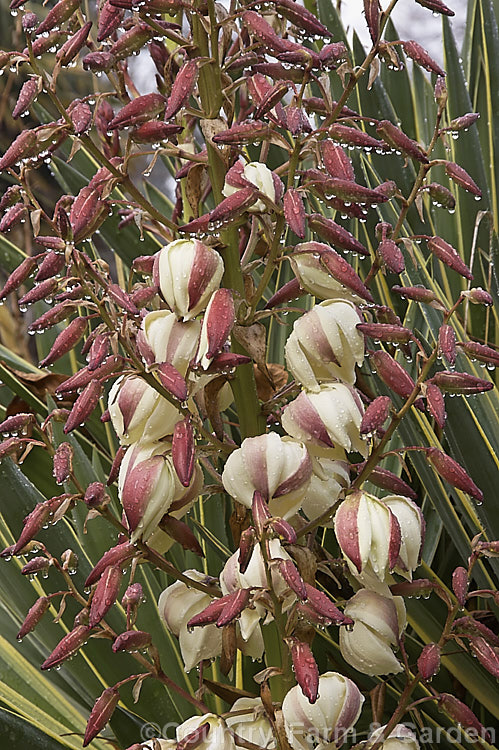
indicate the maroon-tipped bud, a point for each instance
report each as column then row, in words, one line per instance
column 144, row 296
column 110, row 18
column 63, row 462
column 331, row 54
column 65, row 341
column 29, row 20
column 133, row 595
column 447, row 343
column 472, row 628
column 87, row 212
column 235, row 604
column 51, row 265
column 372, row 12
column 101, row 713
column 12, row 195
column 283, row 529
column 478, row 296
column 436, row 404
column 98, row 352
column 172, row 380
column 81, row 116
column 419, row 587
column 289, row 291
column 461, row 177
column 386, row 332
column 18, row 276
column 98, row 62
column 260, row 511
column 217, row 325
column 183, row 451
column 43, row 290
column 35, row 565
column 194, row 738
column 95, row 495
column 259, row 27
column 441, row 196
column 246, row 547
column 416, row 293
column 460, row 382
column 437, row 6
column 131, row 641
column 391, row 255
column 420, row 56
column 460, row 584
column 480, row 352
column 463, row 715
column 140, row 110
column 429, row 661
column 14, row 215
column 389, row 481
column 32, row 524
column 27, row 96
column 182, row 88
column 375, row 415
column 325, row 607
column 226, row 361
column 398, row 140
column 337, row 235
column 453, row 473
column 181, row 533
column 232, row 207
column 392, row 374
column 154, row 132
column 52, row 243
column 305, row 668
column 302, row 18
column 336, row 161
column 449, row 255
column 17, row 423
column 462, row 123
column 121, row 298
column 35, row 614
column 487, row 655
column 115, row 466
column 67, row 647
column 83, row 406
column 294, row 212
column 24, row 147
column 356, row 138
column 292, row 576
column 209, row 614
column 56, row 16
column 118, row 555
column 83, row 377
column 73, row 46
column 105, row 594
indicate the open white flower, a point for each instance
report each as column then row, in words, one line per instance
column 138, row 412
column 253, row 726
column 261, row 177
column 164, row 338
column 217, row 737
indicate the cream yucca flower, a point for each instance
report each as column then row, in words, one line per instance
column 138, row 412
column 260, row 176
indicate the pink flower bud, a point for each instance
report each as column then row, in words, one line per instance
column 478, row 296
column 87, row 213
column 32, row 524
column 132, row 641
column 182, row 88
column 115, row 556
column 291, row 575
column 51, row 265
column 63, row 462
column 289, row 291
column 27, row 96
column 139, row 110
column 480, row 352
column 246, row 546
column 429, row 661
column 105, row 594
column 337, row 162
column 20, row 274
column 460, row 584
column 334, row 233
column 393, row 374
column 294, row 212
column 131, row 41
column 389, row 481
column 183, row 451
column 398, row 140
column 330, row 418
column 436, row 404
column 417, row 293
column 372, row 13
column 378, row 623
column 386, row 332
column 420, row 56
column 441, row 196
column 447, row 343
column 391, row 255
column 243, row 132
column 34, row 616
column 487, row 655
column 354, row 137
column 305, row 668
column 420, row 587
column 73, row 46
column 95, row 495
column 23, row 147
column 17, row 423
column 65, row 341
column 375, row 415
column 57, row 15
column 332, row 54
column 179, row 532
column 462, row 178
column 67, row 647
column 211, row 613
column 449, row 256
column 277, row 468
column 259, row 27
column 101, row 712
column 172, row 381
column 463, row 715
column 453, row 473
column 324, row 606
column 283, row 529
column 83, row 406
column 460, row 382
column 217, row 324
column 84, row 376
column 133, row 595
column 98, row 62
column 188, row 273
column 260, row 512
column 154, row 131
column 437, row 6
column 234, row 605
column 110, row 18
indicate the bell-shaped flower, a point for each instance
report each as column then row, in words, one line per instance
column 164, row 338
column 325, row 345
column 148, row 485
column 328, row 419
column 327, row 720
column 316, row 279
column 138, row 412
column 255, row 576
column 188, row 272
column 379, row 536
column 378, row 624
column 330, row 477
column 253, row 726
column 278, row 468
column 212, row 733
column 177, row 604
column 400, row 738
column 260, row 176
